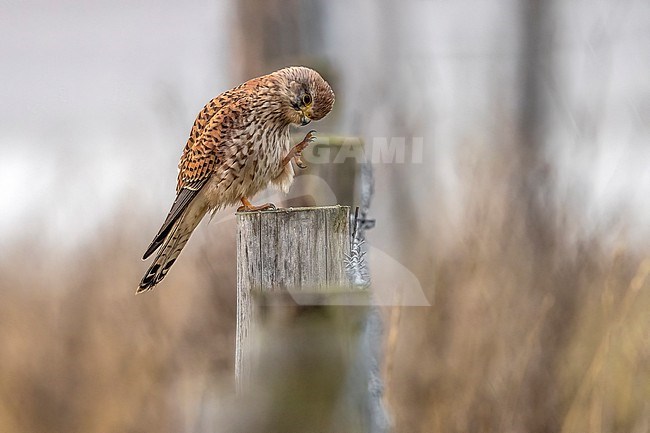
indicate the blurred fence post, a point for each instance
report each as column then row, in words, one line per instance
column 287, row 250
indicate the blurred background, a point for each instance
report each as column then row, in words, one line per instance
column 524, row 217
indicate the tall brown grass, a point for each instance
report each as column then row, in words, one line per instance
column 80, row 352
column 523, row 335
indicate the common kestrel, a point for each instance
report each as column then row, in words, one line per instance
column 238, row 145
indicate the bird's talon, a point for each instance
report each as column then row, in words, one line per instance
column 248, row 207
column 299, row 162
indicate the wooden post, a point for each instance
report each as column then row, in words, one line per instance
column 294, row 250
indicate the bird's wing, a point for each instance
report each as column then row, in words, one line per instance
column 199, row 159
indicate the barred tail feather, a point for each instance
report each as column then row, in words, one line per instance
column 169, row 251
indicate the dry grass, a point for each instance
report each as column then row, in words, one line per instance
column 81, row 352
column 523, row 336
column 520, row 337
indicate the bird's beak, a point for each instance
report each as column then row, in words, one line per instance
column 304, row 120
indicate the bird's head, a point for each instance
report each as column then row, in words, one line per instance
column 306, row 95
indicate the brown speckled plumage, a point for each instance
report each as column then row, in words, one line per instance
column 236, row 148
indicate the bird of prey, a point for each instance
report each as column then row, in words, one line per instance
column 239, row 144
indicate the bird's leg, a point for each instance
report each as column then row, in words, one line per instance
column 296, row 151
column 248, row 207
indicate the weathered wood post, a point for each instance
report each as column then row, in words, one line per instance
column 294, row 250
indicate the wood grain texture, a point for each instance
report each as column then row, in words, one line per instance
column 293, row 250
column 248, row 280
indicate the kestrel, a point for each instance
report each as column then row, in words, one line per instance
column 239, row 144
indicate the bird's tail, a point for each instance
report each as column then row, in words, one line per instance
column 169, row 251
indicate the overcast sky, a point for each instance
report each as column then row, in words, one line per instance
column 95, row 94
column 98, row 97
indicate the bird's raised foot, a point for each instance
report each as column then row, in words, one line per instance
column 248, row 207
column 296, row 151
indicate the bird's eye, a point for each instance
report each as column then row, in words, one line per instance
column 306, row 99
